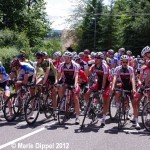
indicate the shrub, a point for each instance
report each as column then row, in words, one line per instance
column 6, row 55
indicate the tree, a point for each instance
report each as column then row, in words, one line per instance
column 25, row 15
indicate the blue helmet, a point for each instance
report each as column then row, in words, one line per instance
column 2, row 70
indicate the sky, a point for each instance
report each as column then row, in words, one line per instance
column 59, row 10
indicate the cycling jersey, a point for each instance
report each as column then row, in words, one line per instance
column 4, row 76
column 99, row 72
column 82, row 77
column 86, row 59
column 144, row 71
column 111, row 62
column 124, row 75
column 57, row 63
column 47, row 64
column 83, row 65
column 26, row 69
column 68, row 72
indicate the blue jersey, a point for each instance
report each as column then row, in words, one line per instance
column 26, row 69
column 3, row 75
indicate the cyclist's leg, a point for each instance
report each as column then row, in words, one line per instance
column 77, row 105
column 106, row 98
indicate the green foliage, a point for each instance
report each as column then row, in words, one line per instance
column 26, row 16
column 10, row 38
column 49, row 45
column 6, row 55
column 124, row 23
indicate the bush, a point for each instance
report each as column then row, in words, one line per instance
column 49, row 45
column 10, row 38
column 6, row 55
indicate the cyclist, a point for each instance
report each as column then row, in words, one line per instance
column 83, row 64
column 49, row 77
column 119, row 54
column 144, row 79
column 25, row 73
column 57, row 59
column 86, row 57
column 4, row 78
column 101, row 73
column 131, row 60
column 124, row 75
column 68, row 75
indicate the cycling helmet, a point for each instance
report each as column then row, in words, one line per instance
column 81, row 54
column 14, row 62
column 124, row 57
column 2, row 70
column 74, row 54
column 121, row 50
column 138, row 56
column 99, row 54
column 93, row 54
column 75, row 58
column 20, row 56
column 110, row 51
column 44, row 53
column 87, row 51
column 129, row 52
column 57, row 54
column 145, row 50
column 68, row 54
column 39, row 54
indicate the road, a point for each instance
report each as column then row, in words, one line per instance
column 48, row 134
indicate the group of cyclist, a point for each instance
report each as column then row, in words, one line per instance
column 107, row 71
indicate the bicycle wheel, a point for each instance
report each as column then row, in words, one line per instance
column 112, row 108
column 63, row 109
column 48, row 107
column 86, row 111
column 32, row 110
column 122, row 115
column 11, row 109
column 146, row 116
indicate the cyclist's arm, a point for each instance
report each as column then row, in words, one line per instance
column 114, row 82
column 147, row 79
column 133, row 83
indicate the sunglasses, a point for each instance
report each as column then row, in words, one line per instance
column 98, row 58
column 124, row 62
column 86, row 53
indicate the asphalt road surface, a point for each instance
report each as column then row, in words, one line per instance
column 48, row 134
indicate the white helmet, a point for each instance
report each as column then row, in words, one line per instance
column 68, row 54
column 75, row 58
column 81, row 54
column 124, row 57
column 74, row 53
column 145, row 50
column 129, row 52
column 99, row 54
column 121, row 50
column 93, row 54
column 57, row 54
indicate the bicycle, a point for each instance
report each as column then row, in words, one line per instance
column 94, row 106
column 2, row 101
column 40, row 102
column 123, row 108
column 66, row 105
column 146, row 112
column 16, row 102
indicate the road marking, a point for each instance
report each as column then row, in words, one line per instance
column 25, row 136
